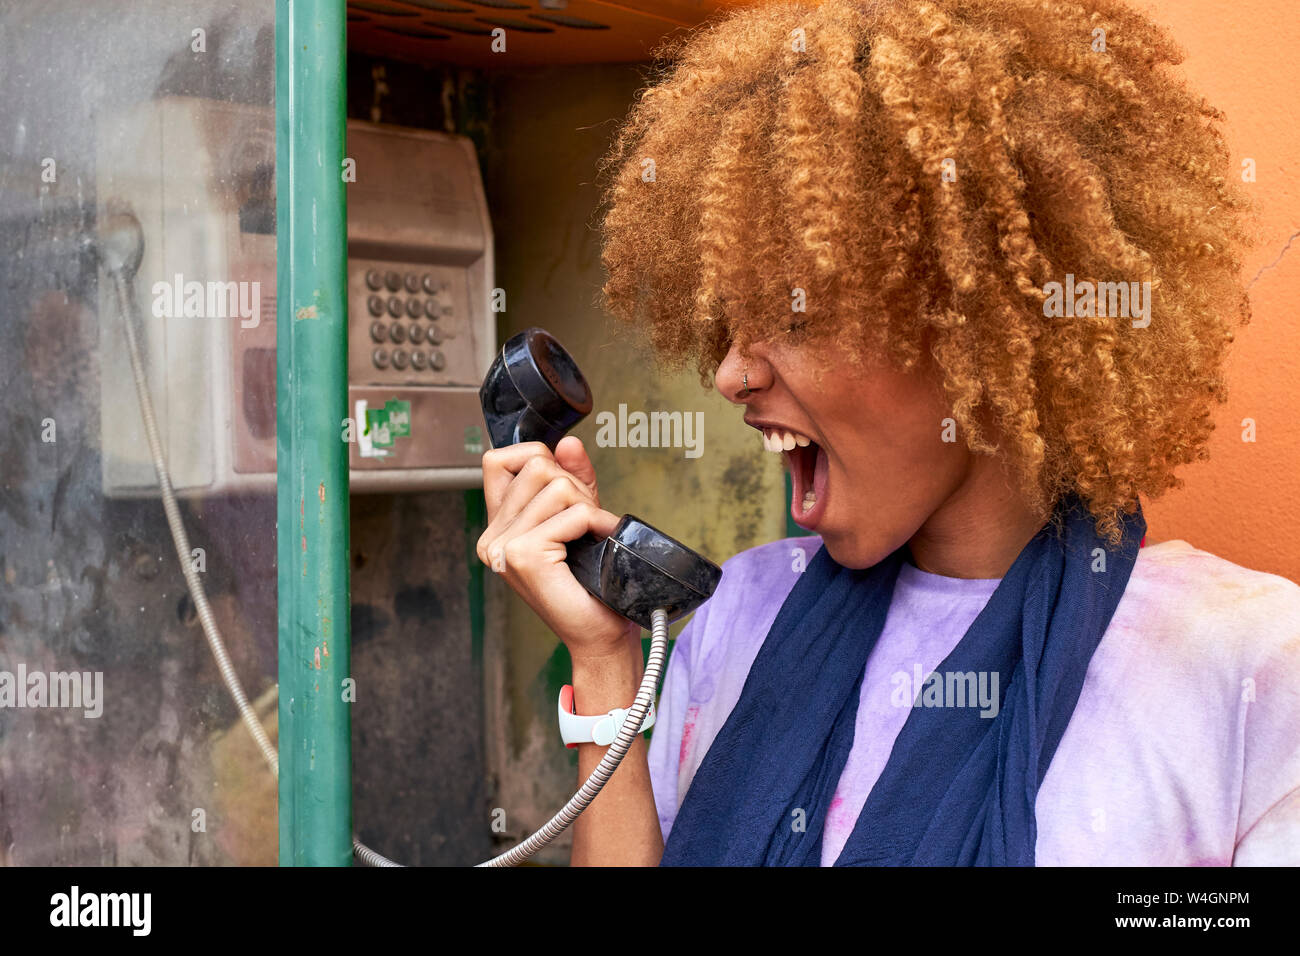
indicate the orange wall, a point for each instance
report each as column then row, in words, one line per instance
column 1242, row 503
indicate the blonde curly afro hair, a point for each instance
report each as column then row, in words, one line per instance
column 813, row 147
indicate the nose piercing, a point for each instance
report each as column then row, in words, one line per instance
column 745, row 381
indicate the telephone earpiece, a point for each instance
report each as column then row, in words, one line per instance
column 535, row 392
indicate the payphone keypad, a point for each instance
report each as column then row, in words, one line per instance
column 412, row 324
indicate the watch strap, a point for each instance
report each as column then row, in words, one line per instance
column 599, row 729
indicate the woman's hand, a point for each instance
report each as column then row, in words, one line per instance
column 537, row 502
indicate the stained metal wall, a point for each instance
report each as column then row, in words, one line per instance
column 551, row 127
column 167, row 774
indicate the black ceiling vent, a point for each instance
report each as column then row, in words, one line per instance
column 464, row 26
column 564, row 20
column 523, row 26
column 380, row 8
column 441, row 6
column 417, row 33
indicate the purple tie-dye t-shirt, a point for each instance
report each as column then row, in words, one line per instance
column 1184, row 748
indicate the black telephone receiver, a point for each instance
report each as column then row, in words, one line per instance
column 535, row 392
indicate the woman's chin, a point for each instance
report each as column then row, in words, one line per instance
column 850, row 551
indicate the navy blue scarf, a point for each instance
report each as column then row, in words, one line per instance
column 958, row 789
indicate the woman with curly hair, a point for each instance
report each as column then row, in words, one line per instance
column 971, row 267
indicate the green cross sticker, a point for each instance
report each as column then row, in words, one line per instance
column 386, row 425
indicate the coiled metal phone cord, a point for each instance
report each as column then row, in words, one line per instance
column 613, row 756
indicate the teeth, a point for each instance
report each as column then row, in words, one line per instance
column 809, row 501
column 779, row 440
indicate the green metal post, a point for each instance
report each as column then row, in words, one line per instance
column 315, row 736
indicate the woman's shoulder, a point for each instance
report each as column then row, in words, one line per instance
column 1189, row 710
column 755, row 583
column 1197, row 606
column 785, row 557
column 765, row 573
column 1212, row 643
column 1180, row 560
column 1209, row 600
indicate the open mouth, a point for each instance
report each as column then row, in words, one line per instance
column 808, row 469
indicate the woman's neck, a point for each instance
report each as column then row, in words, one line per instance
column 980, row 529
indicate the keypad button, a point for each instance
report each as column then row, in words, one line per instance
column 395, row 307
column 412, row 282
column 437, row 361
column 397, row 333
column 380, row 358
column 428, row 284
column 419, row 361
column 378, row 331
column 431, row 308
column 376, row 305
column 413, row 308
column 393, row 281
column 373, row 279
column 433, row 335
column 416, row 334
column 400, row 358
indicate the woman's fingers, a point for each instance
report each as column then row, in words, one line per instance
column 572, row 457
column 561, row 492
column 532, row 564
column 544, row 544
column 501, row 465
column 537, row 474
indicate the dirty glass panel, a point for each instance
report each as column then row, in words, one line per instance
column 137, row 246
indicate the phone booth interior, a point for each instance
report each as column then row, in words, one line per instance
column 472, row 216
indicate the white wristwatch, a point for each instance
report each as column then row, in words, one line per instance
column 601, row 729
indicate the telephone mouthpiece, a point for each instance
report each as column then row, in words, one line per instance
column 533, row 391
column 121, row 241
column 638, row 568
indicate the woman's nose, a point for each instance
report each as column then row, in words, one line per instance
column 739, row 376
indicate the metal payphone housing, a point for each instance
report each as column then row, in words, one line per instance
column 199, row 174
